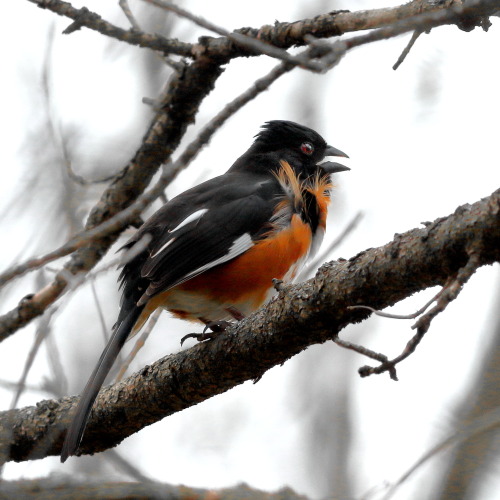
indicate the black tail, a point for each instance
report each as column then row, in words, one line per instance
column 108, row 357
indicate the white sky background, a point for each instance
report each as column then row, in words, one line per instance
column 413, row 159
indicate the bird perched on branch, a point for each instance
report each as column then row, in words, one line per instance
column 214, row 250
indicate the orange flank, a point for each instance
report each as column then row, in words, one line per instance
column 243, row 283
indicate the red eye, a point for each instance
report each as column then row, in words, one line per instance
column 307, row 148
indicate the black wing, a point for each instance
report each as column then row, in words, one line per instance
column 204, row 227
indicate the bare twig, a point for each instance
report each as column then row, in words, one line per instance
column 449, row 293
column 414, row 315
column 85, row 18
column 128, row 14
column 127, row 467
column 389, row 365
column 42, row 332
column 102, row 321
column 285, row 35
column 14, row 386
column 57, row 383
column 81, row 180
column 366, row 352
column 407, row 49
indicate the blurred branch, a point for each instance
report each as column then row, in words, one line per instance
column 139, row 344
column 487, row 422
column 50, row 488
column 302, row 315
column 81, row 180
column 472, row 461
column 41, row 334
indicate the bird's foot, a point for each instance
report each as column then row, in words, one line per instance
column 216, row 327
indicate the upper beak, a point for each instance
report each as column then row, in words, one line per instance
column 331, row 151
column 332, row 167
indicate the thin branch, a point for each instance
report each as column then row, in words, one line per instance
column 407, row 49
column 102, row 321
column 58, row 382
column 42, row 332
column 366, row 352
column 456, row 14
column 127, row 467
column 449, row 293
column 124, row 5
column 85, row 18
column 78, row 178
column 414, row 315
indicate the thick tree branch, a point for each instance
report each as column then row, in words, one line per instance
column 301, row 315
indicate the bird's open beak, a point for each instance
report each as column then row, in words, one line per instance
column 331, row 167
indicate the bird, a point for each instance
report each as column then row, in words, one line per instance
column 213, row 251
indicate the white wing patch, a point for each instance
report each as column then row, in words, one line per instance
column 240, row 245
column 190, row 218
column 162, row 248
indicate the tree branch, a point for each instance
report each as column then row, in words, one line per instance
column 302, row 315
column 51, row 488
column 85, row 18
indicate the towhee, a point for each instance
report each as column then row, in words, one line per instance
column 214, row 250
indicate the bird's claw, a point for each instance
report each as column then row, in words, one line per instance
column 216, row 327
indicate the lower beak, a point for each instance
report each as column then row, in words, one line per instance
column 332, row 167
